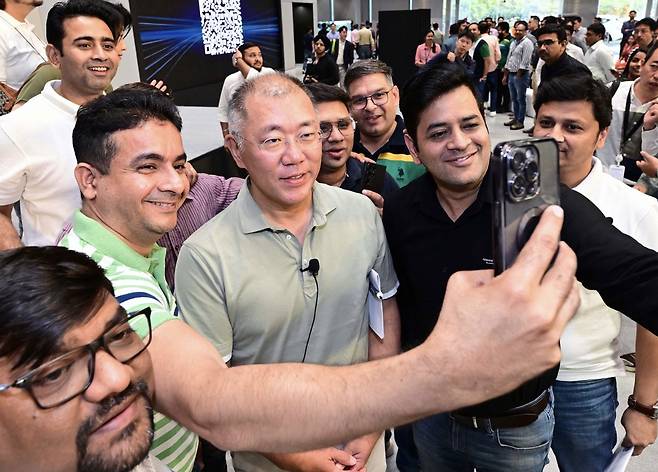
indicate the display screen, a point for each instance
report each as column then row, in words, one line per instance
column 188, row 44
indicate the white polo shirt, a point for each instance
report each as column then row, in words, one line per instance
column 231, row 84
column 21, row 51
column 37, row 162
column 600, row 62
column 590, row 349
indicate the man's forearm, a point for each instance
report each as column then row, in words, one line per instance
column 9, row 238
column 646, row 365
column 390, row 345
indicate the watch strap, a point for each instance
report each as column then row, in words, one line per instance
column 650, row 411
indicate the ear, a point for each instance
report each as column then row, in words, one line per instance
column 87, row 178
column 600, row 141
column 231, row 143
column 411, row 145
column 54, row 56
column 395, row 91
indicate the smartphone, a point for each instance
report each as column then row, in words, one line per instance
column 526, row 181
column 373, row 177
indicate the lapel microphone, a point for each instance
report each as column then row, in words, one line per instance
column 313, row 267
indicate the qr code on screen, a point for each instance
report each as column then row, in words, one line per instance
column 221, row 26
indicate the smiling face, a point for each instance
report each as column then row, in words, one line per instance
column 337, row 147
column 635, row 65
column 88, row 60
column 574, row 127
column 281, row 179
column 104, row 429
column 429, row 38
column 146, row 185
column 452, row 141
column 375, row 120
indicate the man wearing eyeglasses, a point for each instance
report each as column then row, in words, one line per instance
column 552, row 51
column 76, row 390
column 265, row 303
column 379, row 133
column 339, row 167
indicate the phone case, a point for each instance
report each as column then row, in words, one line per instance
column 519, row 197
column 373, row 177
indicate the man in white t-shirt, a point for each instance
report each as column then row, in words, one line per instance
column 21, row 51
column 248, row 59
column 576, row 112
column 37, row 157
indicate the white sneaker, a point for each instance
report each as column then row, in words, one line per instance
column 492, row 113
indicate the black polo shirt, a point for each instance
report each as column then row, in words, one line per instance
column 428, row 247
column 394, row 155
column 565, row 65
column 353, row 179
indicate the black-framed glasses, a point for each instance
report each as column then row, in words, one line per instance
column 546, row 42
column 276, row 145
column 60, row 380
column 344, row 127
column 377, row 98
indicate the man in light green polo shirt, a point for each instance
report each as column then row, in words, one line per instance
column 246, row 281
column 130, row 155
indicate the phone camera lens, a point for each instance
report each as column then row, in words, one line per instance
column 531, row 171
column 518, row 160
column 532, row 189
column 518, row 187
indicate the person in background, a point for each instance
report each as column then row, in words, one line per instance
column 323, row 68
column 644, row 32
column 578, row 37
column 343, row 52
column 366, row 42
column 438, row 34
column 21, row 51
column 627, row 29
column 355, row 34
column 504, row 41
column 597, row 57
column 629, row 47
column 332, row 34
column 426, row 50
column 573, row 50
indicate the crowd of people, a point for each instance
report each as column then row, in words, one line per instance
column 154, row 317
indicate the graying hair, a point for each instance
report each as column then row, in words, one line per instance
column 368, row 67
column 278, row 84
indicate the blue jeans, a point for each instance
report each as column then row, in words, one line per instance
column 445, row 445
column 407, row 458
column 517, row 88
column 585, row 432
column 489, row 89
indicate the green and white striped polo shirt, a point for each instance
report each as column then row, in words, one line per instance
column 138, row 282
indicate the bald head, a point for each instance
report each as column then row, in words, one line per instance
column 261, row 88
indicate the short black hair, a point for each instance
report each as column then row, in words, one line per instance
column 45, row 292
column 577, row 18
column 430, row 83
column 648, row 21
column 435, row 25
column 521, row 22
column 3, row 5
column 125, row 108
column 62, row 11
column 632, row 11
column 651, row 51
column 466, row 33
column 577, row 87
column 503, row 26
column 551, row 20
column 453, row 29
column 552, row 28
column 534, row 17
column 483, row 27
column 243, row 47
column 126, row 19
column 597, row 28
column 365, row 68
column 342, row 28
column 323, row 93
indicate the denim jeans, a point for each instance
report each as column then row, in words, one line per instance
column 517, row 88
column 585, row 432
column 445, row 445
column 407, row 457
column 488, row 90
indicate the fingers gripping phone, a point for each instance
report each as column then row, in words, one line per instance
column 526, row 181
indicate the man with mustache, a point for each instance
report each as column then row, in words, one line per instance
column 75, row 379
column 131, row 175
column 443, row 222
column 21, row 51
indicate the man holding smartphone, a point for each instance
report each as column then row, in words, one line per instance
column 576, row 111
column 340, row 166
column 442, row 223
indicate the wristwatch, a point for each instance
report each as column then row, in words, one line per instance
column 650, row 411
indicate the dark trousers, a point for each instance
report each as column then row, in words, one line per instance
column 502, row 98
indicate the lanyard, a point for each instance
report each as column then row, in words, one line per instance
column 625, row 134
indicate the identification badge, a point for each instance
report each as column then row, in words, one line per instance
column 617, row 172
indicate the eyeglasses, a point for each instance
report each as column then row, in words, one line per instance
column 378, row 98
column 546, row 42
column 277, row 145
column 69, row 375
column 344, row 127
